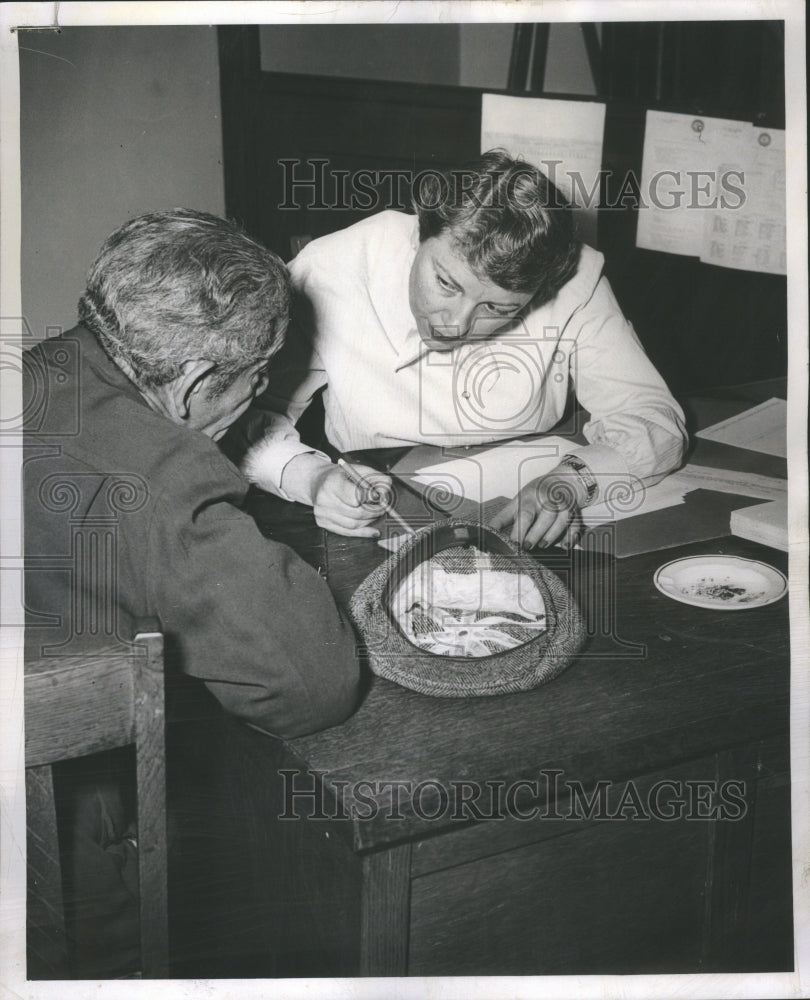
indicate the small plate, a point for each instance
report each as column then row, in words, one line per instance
column 725, row 582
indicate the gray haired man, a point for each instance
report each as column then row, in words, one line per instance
column 132, row 511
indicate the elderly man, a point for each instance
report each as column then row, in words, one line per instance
column 132, row 511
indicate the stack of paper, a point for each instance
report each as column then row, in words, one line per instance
column 489, row 477
column 747, row 484
column 765, row 523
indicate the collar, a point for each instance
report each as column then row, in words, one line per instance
column 94, row 355
column 389, row 276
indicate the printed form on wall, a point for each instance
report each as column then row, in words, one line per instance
column 714, row 189
column 753, row 236
column 561, row 138
column 681, row 156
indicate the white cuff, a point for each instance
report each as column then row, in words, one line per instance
column 266, row 461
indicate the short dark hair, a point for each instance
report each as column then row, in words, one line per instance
column 509, row 222
column 179, row 285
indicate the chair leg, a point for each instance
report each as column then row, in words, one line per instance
column 47, row 951
column 151, row 780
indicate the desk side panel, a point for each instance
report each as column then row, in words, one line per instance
column 617, row 896
column 254, row 894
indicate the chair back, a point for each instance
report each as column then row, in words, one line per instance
column 75, row 706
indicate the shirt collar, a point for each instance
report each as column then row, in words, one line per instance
column 389, row 277
column 105, row 368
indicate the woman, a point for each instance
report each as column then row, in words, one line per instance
column 396, row 314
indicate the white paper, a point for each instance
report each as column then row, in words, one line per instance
column 767, row 523
column 682, row 154
column 497, row 472
column 763, row 428
column 752, row 236
column 504, row 470
column 392, row 542
column 670, row 492
column 561, row 138
column 667, row 493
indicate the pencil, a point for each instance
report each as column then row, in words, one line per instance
column 373, row 492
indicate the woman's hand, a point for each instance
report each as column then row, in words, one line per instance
column 348, row 509
column 546, row 511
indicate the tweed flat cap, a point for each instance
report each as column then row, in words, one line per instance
column 456, row 546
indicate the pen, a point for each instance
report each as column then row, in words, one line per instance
column 373, row 493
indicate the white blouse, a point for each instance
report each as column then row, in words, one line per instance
column 354, row 333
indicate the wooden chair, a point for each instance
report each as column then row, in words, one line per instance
column 76, row 706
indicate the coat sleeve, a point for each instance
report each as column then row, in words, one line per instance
column 265, row 439
column 245, row 614
column 269, row 438
column 635, row 424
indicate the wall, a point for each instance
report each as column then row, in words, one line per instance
column 419, row 53
column 486, row 50
column 485, row 53
column 115, row 121
column 472, row 55
column 567, row 69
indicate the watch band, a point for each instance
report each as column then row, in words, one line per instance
column 584, row 474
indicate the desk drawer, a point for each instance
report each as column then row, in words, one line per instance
column 606, row 896
column 622, row 895
column 587, row 902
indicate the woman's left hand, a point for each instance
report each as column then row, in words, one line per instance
column 545, row 511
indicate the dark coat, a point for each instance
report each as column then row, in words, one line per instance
column 129, row 516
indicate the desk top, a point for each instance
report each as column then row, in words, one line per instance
column 659, row 682
column 704, row 515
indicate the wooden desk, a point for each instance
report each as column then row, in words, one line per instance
column 704, row 515
column 664, row 692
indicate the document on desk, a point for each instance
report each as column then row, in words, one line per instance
column 497, row 472
column 672, row 491
column 504, row 470
column 762, row 428
column 628, row 503
column 561, row 138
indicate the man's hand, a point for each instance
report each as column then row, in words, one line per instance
column 348, row 509
column 546, row 511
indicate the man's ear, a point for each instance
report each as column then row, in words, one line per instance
column 191, row 381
